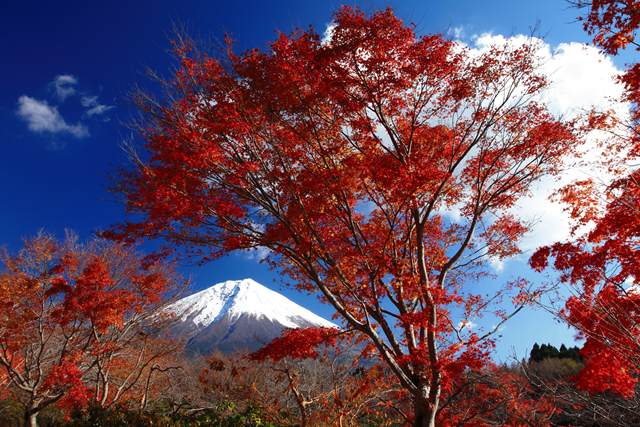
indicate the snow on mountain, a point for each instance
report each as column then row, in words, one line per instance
column 237, row 315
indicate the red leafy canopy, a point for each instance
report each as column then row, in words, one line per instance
column 66, row 378
column 610, row 319
column 603, row 264
column 484, row 395
column 297, row 344
column 68, row 311
column 339, row 156
column 93, row 294
column 612, row 23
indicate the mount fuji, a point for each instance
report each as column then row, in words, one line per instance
column 237, row 315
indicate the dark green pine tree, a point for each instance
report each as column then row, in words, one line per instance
column 535, row 354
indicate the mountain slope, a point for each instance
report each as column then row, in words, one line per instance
column 237, row 315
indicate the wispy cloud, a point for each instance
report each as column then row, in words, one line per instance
column 88, row 101
column 64, row 85
column 457, row 33
column 44, row 118
column 258, row 253
column 94, row 108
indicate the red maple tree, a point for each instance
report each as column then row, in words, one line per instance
column 602, row 263
column 341, row 156
column 71, row 313
column 507, row 396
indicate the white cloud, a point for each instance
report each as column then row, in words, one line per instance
column 581, row 78
column 328, row 33
column 42, row 117
column 94, row 108
column 99, row 110
column 64, row 86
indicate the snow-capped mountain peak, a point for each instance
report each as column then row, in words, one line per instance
column 238, row 314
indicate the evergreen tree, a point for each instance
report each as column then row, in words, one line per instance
column 535, row 355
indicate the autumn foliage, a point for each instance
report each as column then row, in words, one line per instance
column 76, row 323
column 601, row 262
column 601, row 266
column 341, row 156
column 507, row 397
column 381, row 171
column 297, row 344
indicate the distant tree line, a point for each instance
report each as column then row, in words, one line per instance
column 547, row 351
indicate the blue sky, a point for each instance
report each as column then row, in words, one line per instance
column 68, row 68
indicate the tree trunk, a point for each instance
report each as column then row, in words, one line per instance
column 422, row 418
column 424, row 412
column 31, row 419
